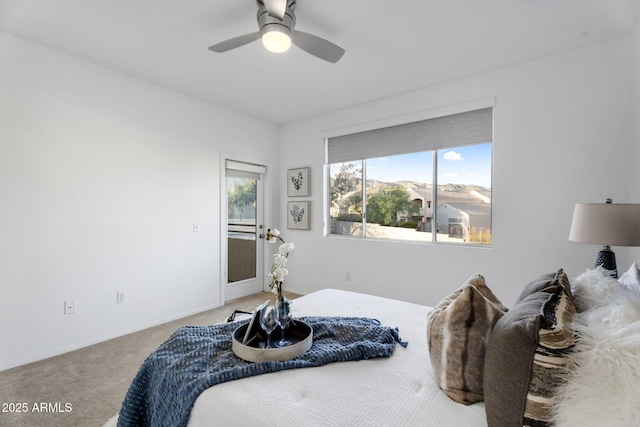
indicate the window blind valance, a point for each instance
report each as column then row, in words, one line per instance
column 468, row 128
column 244, row 170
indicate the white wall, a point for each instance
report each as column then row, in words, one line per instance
column 563, row 134
column 102, row 176
column 101, row 179
column 634, row 170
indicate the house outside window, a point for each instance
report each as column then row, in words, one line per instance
column 384, row 183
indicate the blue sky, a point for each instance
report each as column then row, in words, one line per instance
column 461, row 165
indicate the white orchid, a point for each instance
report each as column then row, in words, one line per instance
column 273, row 235
column 279, row 260
column 285, row 248
column 278, row 270
column 279, row 273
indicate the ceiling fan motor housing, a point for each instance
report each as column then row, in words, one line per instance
column 268, row 23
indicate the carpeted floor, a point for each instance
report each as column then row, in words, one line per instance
column 86, row 387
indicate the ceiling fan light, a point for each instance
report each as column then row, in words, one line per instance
column 276, row 41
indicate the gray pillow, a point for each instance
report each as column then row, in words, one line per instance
column 458, row 329
column 518, row 387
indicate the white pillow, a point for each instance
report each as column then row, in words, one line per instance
column 631, row 277
column 603, row 379
column 594, row 289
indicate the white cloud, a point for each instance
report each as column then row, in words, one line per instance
column 452, row 155
column 451, row 175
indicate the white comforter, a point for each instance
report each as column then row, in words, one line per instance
column 395, row 391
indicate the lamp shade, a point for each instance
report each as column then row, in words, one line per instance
column 606, row 224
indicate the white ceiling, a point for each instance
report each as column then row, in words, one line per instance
column 391, row 46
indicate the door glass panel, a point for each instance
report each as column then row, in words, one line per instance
column 242, row 228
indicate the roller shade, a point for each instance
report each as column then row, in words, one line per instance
column 468, row 128
column 244, row 170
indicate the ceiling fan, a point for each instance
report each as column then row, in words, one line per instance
column 276, row 21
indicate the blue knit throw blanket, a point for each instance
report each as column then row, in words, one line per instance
column 195, row 358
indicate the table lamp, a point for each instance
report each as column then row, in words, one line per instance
column 606, row 224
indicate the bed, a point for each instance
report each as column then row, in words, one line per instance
column 387, row 391
column 412, row 387
column 393, row 391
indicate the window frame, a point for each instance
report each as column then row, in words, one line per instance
column 380, row 124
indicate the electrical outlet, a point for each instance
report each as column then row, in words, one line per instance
column 69, row 307
column 120, row 297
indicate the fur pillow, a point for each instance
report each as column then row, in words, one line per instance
column 458, row 329
column 594, row 289
column 603, row 382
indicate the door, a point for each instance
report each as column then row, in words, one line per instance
column 244, row 195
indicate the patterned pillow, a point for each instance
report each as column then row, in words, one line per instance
column 527, row 354
column 458, row 329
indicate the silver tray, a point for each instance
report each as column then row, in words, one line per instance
column 299, row 333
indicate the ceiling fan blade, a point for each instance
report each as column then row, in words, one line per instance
column 235, row 42
column 317, row 46
column 276, row 8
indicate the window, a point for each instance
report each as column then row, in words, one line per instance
column 424, row 181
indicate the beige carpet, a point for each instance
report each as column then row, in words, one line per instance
column 86, row 387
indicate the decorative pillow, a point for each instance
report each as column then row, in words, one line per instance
column 603, row 380
column 631, row 277
column 593, row 289
column 458, row 329
column 527, row 354
column 545, row 283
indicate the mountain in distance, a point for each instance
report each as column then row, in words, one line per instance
column 447, row 193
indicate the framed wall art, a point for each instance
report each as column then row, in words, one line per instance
column 298, row 215
column 298, row 182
